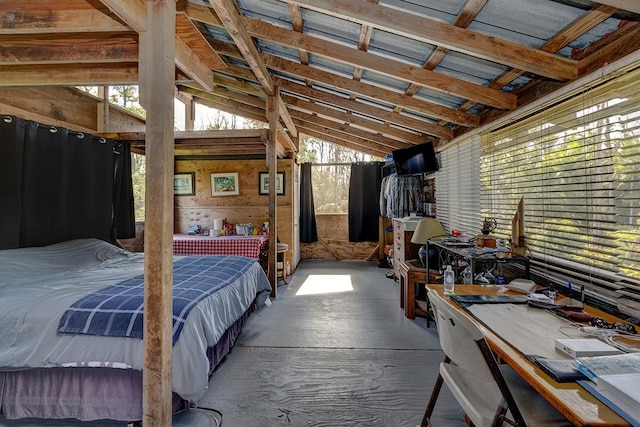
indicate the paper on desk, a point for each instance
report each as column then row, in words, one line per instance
column 529, row 330
column 628, row 363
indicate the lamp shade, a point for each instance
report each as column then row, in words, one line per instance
column 426, row 229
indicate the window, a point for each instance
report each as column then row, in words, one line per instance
column 331, row 188
column 576, row 162
column 458, row 187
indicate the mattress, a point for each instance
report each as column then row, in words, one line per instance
column 37, row 285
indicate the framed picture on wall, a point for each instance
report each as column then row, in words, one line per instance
column 184, row 184
column 225, row 184
column 263, row 183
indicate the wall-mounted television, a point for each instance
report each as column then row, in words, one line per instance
column 420, row 158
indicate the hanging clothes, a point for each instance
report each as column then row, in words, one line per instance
column 401, row 195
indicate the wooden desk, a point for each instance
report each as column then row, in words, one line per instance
column 573, row 401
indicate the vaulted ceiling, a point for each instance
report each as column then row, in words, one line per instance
column 370, row 75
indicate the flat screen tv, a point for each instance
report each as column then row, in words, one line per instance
column 420, row 158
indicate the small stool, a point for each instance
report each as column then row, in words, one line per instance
column 281, row 269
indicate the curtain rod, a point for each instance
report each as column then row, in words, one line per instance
column 339, row 164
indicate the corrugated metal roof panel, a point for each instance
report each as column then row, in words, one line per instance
column 331, row 28
column 468, row 68
column 440, row 10
column 277, row 49
column 401, row 48
column 327, row 64
column 384, row 81
column 530, row 23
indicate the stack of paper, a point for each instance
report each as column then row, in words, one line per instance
column 628, row 363
column 623, row 390
column 615, row 381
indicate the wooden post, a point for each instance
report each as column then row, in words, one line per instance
column 157, row 79
column 103, row 109
column 272, row 165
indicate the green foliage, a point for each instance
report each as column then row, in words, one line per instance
column 330, row 178
column 138, row 169
column 127, row 97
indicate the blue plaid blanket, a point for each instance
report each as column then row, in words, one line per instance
column 118, row 311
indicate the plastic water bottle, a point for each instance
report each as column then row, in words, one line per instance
column 449, row 280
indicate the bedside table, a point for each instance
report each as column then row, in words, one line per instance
column 412, row 272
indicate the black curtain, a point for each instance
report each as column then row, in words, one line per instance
column 12, row 131
column 66, row 187
column 124, row 224
column 364, row 201
column 307, row 220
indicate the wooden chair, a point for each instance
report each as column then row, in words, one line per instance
column 490, row 394
column 281, row 261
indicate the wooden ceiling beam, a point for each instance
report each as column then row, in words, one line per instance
column 232, row 21
column 55, row 48
column 358, row 58
column 187, row 31
column 85, row 74
column 385, row 115
column 191, row 47
column 254, row 102
column 22, row 20
column 625, row 41
column 284, row 135
column 343, row 143
column 350, row 131
column 449, row 36
column 233, row 107
column 286, row 118
column 571, row 32
column 132, row 12
column 367, row 124
column 240, row 85
column 389, row 67
column 374, row 92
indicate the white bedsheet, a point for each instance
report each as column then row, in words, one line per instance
column 38, row 284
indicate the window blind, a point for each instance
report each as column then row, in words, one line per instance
column 577, row 165
column 457, row 186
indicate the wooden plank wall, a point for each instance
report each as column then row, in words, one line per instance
column 247, row 207
column 333, row 241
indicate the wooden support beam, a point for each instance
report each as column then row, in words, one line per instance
column 448, row 36
column 158, row 75
column 284, row 135
column 273, row 116
column 286, row 118
column 230, row 17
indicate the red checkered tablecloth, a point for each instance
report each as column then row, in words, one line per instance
column 249, row 246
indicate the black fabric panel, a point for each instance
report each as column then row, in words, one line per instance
column 45, row 188
column 308, row 229
column 12, row 141
column 124, row 221
column 364, row 201
column 91, row 193
column 58, row 185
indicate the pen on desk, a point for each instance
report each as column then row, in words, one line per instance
column 582, row 294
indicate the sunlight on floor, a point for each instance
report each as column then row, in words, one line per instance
column 325, row 284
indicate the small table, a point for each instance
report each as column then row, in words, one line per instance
column 249, row 246
column 412, row 272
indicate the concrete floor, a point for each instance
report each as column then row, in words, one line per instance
column 334, row 349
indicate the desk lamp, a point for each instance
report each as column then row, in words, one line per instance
column 426, row 229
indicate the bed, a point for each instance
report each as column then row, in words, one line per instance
column 51, row 367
